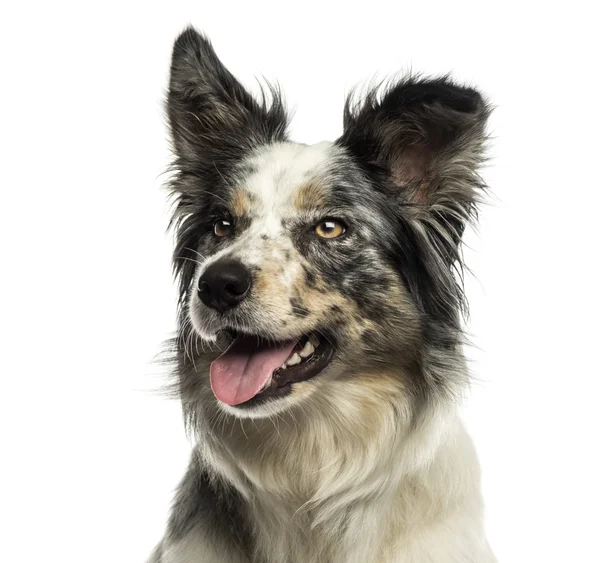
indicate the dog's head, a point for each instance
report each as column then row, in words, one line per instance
column 319, row 263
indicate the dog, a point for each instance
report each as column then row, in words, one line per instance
column 319, row 354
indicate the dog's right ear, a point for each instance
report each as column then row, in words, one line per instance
column 214, row 120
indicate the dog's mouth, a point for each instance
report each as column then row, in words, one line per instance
column 254, row 369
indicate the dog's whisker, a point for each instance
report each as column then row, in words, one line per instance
column 242, row 427
column 195, row 252
column 189, row 259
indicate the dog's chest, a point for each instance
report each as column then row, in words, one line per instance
column 303, row 536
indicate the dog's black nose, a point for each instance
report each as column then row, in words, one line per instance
column 224, row 284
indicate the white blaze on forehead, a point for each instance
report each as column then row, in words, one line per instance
column 279, row 171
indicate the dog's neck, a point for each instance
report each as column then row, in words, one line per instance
column 323, row 479
column 314, row 454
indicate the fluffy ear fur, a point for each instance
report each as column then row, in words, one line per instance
column 214, row 120
column 423, row 139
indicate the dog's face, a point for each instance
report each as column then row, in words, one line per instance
column 295, row 263
column 324, row 262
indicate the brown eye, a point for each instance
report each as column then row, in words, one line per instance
column 329, row 228
column 222, row 228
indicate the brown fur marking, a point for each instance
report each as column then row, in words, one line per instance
column 240, row 202
column 310, row 196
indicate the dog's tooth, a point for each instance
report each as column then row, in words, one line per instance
column 284, row 366
column 295, row 359
column 313, row 340
column 307, row 350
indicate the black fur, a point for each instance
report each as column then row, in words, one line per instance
column 200, row 494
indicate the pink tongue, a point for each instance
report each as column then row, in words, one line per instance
column 241, row 372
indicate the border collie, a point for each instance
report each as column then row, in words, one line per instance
column 319, row 355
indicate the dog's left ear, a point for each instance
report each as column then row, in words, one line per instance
column 423, row 140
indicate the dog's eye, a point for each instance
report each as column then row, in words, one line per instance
column 330, row 228
column 222, row 228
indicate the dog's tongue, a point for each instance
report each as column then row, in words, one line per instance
column 241, row 372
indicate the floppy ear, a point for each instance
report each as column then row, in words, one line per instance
column 423, row 140
column 214, row 120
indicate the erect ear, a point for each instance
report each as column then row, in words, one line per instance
column 214, row 120
column 424, row 140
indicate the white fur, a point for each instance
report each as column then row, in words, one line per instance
column 281, row 169
column 415, row 501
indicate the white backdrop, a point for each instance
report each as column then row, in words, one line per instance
column 90, row 452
